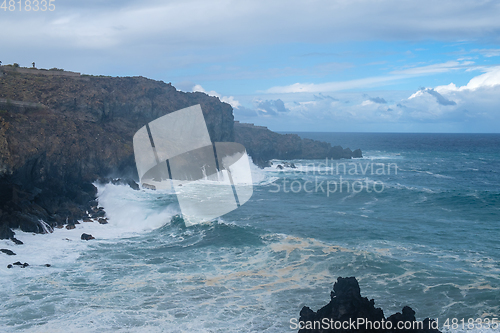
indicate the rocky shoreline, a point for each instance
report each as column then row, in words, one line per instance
column 348, row 311
column 62, row 131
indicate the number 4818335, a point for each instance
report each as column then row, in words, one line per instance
column 28, row 5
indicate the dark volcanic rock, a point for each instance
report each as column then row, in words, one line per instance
column 8, row 252
column 98, row 213
column 18, row 263
column 347, row 306
column 357, row 153
column 119, row 181
column 5, row 232
column 87, row 237
column 17, row 241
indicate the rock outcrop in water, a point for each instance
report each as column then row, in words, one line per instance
column 61, row 131
column 349, row 312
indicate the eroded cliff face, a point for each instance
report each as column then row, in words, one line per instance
column 59, row 133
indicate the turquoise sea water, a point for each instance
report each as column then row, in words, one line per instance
column 417, row 222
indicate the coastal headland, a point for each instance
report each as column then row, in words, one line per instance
column 62, row 131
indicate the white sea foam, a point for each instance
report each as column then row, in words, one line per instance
column 132, row 211
column 259, row 176
column 129, row 212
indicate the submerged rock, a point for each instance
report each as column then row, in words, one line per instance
column 8, row 252
column 17, row 241
column 87, row 237
column 18, row 263
column 99, row 213
column 120, row 181
column 347, row 306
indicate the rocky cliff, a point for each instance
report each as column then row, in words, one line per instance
column 60, row 131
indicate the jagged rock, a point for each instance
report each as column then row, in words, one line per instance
column 120, row 181
column 5, row 232
column 103, row 221
column 87, row 237
column 70, row 226
column 9, row 266
column 357, row 153
column 47, row 265
column 279, row 167
column 347, row 153
column 18, row 263
column 347, row 305
column 17, row 241
column 99, row 213
column 8, row 252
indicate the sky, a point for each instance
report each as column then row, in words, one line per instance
column 319, row 65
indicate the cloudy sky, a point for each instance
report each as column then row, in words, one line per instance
column 320, row 65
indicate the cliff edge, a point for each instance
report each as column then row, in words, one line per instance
column 61, row 131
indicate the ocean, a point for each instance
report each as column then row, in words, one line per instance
column 416, row 221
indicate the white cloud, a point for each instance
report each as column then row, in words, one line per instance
column 229, row 100
column 370, row 81
column 488, row 53
column 489, row 79
column 478, row 100
column 185, row 23
column 334, row 86
column 471, row 108
column 434, row 68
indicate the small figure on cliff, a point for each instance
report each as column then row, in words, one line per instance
column 33, row 64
